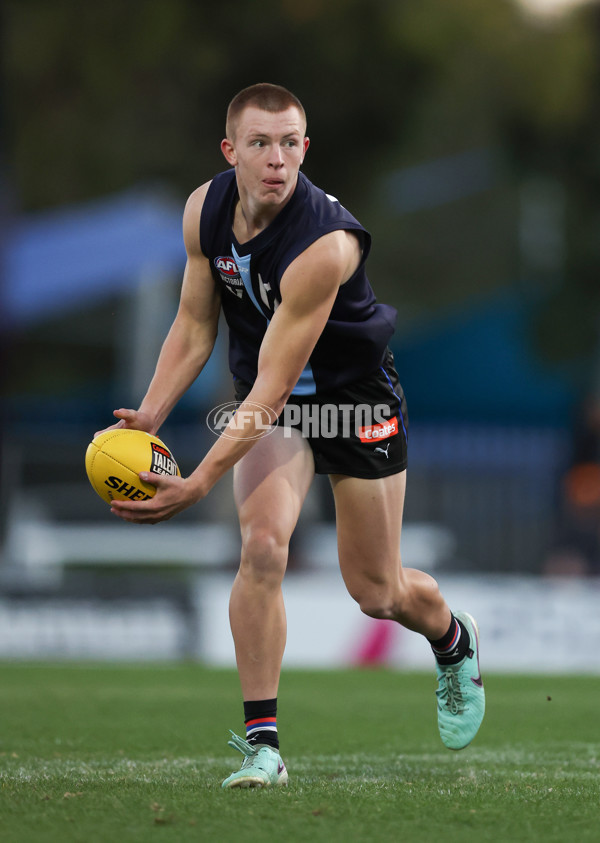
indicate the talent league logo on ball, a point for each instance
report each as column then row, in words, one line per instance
column 253, row 420
column 162, row 461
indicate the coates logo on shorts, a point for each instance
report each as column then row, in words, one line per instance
column 234, row 421
column 377, row 432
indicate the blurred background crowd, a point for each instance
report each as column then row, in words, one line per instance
column 464, row 135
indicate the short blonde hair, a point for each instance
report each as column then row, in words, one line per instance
column 267, row 97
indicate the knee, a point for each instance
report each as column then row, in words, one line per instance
column 264, row 554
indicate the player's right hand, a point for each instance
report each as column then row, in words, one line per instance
column 131, row 419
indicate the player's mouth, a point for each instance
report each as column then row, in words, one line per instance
column 273, row 182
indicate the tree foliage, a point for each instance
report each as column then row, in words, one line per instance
column 102, row 96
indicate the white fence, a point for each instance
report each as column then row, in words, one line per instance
column 527, row 625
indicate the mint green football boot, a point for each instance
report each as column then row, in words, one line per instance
column 262, row 766
column 460, row 694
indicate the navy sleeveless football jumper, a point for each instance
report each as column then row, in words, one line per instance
column 355, row 337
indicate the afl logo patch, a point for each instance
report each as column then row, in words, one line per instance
column 228, row 270
column 230, row 275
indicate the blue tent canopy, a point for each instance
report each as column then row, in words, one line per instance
column 59, row 260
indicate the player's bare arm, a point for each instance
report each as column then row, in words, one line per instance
column 187, row 346
column 191, row 338
column 308, row 290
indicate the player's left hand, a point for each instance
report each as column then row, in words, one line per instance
column 173, row 494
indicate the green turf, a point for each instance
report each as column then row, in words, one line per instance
column 137, row 753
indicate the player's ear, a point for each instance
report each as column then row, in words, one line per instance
column 305, row 145
column 228, row 150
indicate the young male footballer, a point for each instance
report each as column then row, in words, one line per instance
column 286, row 264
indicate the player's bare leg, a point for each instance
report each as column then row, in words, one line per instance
column 369, row 516
column 270, row 485
column 369, row 524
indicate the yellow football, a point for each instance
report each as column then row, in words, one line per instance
column 114, row 459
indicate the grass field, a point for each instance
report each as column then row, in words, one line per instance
column 137, row 753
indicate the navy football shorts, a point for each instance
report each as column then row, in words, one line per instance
column 359, row 430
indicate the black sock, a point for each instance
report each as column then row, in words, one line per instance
column 452, row 647
column 260, row 717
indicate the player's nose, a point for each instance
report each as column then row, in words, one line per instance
column 276, row 156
